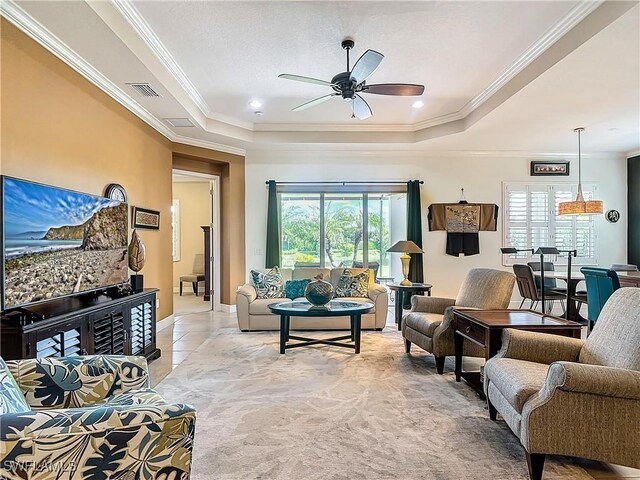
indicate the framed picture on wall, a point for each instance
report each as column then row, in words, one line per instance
column 145, row 218
column 549, row 169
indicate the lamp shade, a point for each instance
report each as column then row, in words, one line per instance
column 581, row 207
column 405, row 246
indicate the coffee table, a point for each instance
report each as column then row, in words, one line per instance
column 410, row 290
column 484, row 328
column 335, row 308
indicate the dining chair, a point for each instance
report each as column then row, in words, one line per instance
column 528, row 289
column 601, row 283
column 549, row 282
column 623, row 267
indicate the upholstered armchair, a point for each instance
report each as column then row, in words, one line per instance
column 429, row 324
column 571, row 397
column 89, row 417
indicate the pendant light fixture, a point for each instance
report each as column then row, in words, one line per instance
column 580, row 206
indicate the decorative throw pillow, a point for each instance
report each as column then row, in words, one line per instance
column 295, row 288
column 350, row 285
column 268, row 285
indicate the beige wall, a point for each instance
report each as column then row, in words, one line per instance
column 59, row 129
column 194, row 211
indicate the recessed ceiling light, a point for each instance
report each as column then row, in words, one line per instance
column 613, row 129
column 255, row 104
column 259, row 113
column 418, row 104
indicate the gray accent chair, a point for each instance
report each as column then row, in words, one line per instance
column 429, row 324
column 566, row 396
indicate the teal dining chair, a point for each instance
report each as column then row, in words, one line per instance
column 601, row 283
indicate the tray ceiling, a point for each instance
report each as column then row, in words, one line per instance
column 483, row 64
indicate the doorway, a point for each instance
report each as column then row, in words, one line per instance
column 195, row 242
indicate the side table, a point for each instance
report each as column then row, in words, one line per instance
column 484, row 328
column 402, row 290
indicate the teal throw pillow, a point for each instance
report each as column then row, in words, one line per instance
column 295, row 288
column 268, row 285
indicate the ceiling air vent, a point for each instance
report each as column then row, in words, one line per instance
column 179, row 122
column 144, row 89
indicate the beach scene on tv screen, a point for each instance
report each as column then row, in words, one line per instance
column 58, row 242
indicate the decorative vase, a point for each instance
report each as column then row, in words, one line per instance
column 319, row 292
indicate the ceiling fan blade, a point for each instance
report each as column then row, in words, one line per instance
column 366, row 65
column 404, row 89
column 361, row 108
column 299, row 78
column 315, row 102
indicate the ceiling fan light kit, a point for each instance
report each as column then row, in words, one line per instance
column 350, row 84
column 580, row 206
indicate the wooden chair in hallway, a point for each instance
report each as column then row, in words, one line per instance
column 196, row 276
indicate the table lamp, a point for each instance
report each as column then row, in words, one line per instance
column 405, row 247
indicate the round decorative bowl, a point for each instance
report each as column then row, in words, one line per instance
column 319, row 292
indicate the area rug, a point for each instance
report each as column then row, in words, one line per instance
column 325, row 413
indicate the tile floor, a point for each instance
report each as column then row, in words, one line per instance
column 193, row 327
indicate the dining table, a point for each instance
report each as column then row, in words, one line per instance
column 572, row 312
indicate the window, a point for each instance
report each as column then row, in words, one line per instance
column 175, row 230
column 341, row 228
column 531, row 220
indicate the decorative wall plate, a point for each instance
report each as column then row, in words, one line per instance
column 612, row 216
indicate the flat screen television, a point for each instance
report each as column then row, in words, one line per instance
column 58, row 242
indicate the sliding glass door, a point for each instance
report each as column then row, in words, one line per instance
column 336, row 229
column 300, row 230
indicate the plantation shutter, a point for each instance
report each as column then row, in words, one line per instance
column 531, row 220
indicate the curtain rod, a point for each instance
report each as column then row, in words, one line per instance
column 340, row 183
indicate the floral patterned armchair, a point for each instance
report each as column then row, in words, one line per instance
column 90, row 418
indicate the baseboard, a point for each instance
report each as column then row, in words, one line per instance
column 228, row 308
column 165, row 322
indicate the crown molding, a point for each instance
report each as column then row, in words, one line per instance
column 195, row 142
column 266, row 154
column 330, row 127
column 35, row 30
column 132, row 15
column 553, row 34
column 144, row 31
column 578, row 13
column 16, row 15
column 30, row 26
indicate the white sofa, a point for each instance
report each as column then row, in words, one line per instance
column 254, row 313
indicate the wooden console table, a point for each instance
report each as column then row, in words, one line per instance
column 88, row 324
column 484, row 328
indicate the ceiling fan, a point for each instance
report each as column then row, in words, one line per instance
column 350, row 84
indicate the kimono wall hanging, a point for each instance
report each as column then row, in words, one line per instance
column 463, row 221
